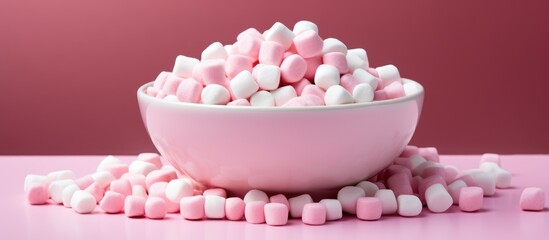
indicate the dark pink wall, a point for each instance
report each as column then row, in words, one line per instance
column 69, row 70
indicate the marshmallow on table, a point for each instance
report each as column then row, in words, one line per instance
column 135, row 179
column 293, row 68
column 153, row 158
column 160, row 175
column 243, row 85
column 337, row 60
column 431, row 171
column 140, row 191
column 270, row 53
column 107, row 161
column 283, row 95
column 454, row 189
column 134, row 206
column 216, row 192
column 141, row 168
column 369, row 208
column 31, row 179
column 348, row 196
column 266, row 76
column 400, row 184
column 215, row 94
column 451, row 173
column 437, row 198
column 83, row 202
column 276, row 214
column 159, row 190
column 409, row 150
column 388, row 201
column 333, row 45
column 112, row 202
column 297, row 203
column 248, row 45
column 532, row 199
column 314, row 214
column 160, row 80
column 96, row 191
column 256, row 195
column 254, row 212
column 262, row 99
column 429, row 153
column 502, row 176
column 214, row 207
column 409, row 205
column 184, row 66
column 103, row 179
column 122, row 186
column 308, row 44
column 155, row 208
column 214, row 51
column 326, row 76
column 192, row 208
column 281, row 34
column 429, row 181
column 418, row 171
column 485, row 180
column 303, row 26
column 470, row 199
column 189, row 90
column 337, row 95
column 280, row 198
column 333, row 207
column 56, row 188
column 36, row 193
column 368, row 187
column 59, row 175
column 117, row 170
column 67, row 194
column 388, row 74
column 234, row 208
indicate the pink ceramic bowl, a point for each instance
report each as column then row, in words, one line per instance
column 287, row 150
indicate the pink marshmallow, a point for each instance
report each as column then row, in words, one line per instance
column 430, row 154
column 293, row 69
column 313, row 90
column 155, row 208
column 400, row 184
column 338, row 60
column 36, row 193
column 213, row 71
column 112, row 202
column 171, row 85
column 308, row 44
column 373, row 71
column 348, row 197
column 160, row 175
column 117, row 170
column 151, row 91
column 276, row 214
column 135, row 179
column 368, row 208
column 271, row 53
column 300, row 85
column 236, row 64
column 96, row 191
column 251, row 32
column 197, row 73
column 395, row 169
column 84, row 181
column 312, row 65
column 348, row 81
column 159, row 190
column 314, row 214
column 470, row 199
column 254, row 212
column 248, row 45
column 409, row 150
column 280, row 198
column 134, row 206
column 161, row 94
column 189, row 90
column 216, row 192
column 239, row 102
column 380, row 95
column 532, row 199
column 192, row 208
column 403, row 161
column 153, row 158
column 388, row 201
column 234, row 208
column 161, row 80
column 122, row 186
column 394, row 90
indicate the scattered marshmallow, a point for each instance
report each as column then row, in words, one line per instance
column 314, row 214
column 83, row 202
column 234, row 208
column 409, row 205
column 369, row 188
column 107, row 161
column 470, row 199
column 56, row 188
column 334, row 211
column 36, row 193
column 532, row 199
column 437, row 198
column 67, row 194
column 297, row 203
column 134, row 206
column 192, row 208
column 348, row 196
column 155, row 208
column 388, row 201
column 369, row 208
column 112, row 202
column 276, row 214
column 214, row 207
column 254, row 212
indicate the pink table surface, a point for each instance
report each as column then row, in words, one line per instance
column 499, row 219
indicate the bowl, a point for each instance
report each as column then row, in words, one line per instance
column 280, row 150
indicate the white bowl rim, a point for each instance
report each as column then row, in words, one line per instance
column 141, row 93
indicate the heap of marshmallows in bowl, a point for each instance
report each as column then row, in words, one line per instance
column 280, row 67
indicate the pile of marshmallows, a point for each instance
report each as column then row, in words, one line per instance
column 146, row 188
column 280, row 67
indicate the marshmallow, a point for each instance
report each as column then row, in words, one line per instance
column 239, row 102
column 400, row 184
column 160, row 80
column 470, row 199
column 83, row 202
column 60, row 175
column 380, row 95
column 485, row 180
column 140, row 191
column 333, row 45
column 215, row 94
column 213, row 71
column 159, row 190
column 369, row 188
column 281, row 34
column 280, row 198
column 192, row 208
column 363, row 93
column 171, row 98
column 36, row 193
column 160, row 175
column 67, row 193
column 297, row 203
column 337, row 60
column 409, row 205
column 411, row 88
column 112, row 202
column 490, row 157
column 135, row 179
column 184, row 66
column 388, row 200
column 243, row 85
column 276, row 214
column 430, row 154
column 502, row 176
column 256, row 195
column 155, row 208
column 303, row 26
column 267, row 76
column 427, row 182
column 416, row 160
column 56, row 188
column 197, row 74
column 437, row 198
column 249, row 45
column 333, row 207
column 409, row 150
column 134, row 206
column 220, row 192
column 254, row 212
column 299, row 86
column 370, row 208
column 262, row 99
column 394, row 90
column 96, row 191
column 360, row 52
column 326, row 76
column 107, row 161
column 305, row 100
column 347, row 196
column 314, row 214
column 455, row 189
column 103, row 179
column 451, row 173
column 312, row 65
column 234, row 208
column 250, row 31
column 214, row 207
column 388, row 74
column 308, row 44
column 117, row 170
column 189, row 90
column 270, row 53
column 283, row 95
column 122, row 186
column 214, row 51
column 236, row 64
column 141, row 168
column 532, row 199
column 172, row 82
column 293, row 68
column 337, row 95
column 31, row 179
column 355, row 62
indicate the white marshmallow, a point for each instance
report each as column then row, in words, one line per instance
column 409, row 205
column 140, row 191
column 214, row 207
column 283, row 95
column 83, row 202
column 103, row 178
column 56, row 189
column 484, row 180
column 363, row 93
column 171, row 98
column 215, row 94
column 333, row 207
column 228, row 48
column 214, row 51
column 184, row 66
column 333, row 45
column 243, row 85
column 437, row 198
column 337, row 95
column 364, row 76
column 60, row 175
column 141, row 168
column 369, row 188
column 267, row 77
column 177, row 189
column 347, row 196
column 303, row 26
column 256, row 195
column 411, row 88
column 153, row 158
column 355, row 62
column 67, row 193
column 388, row 201
column 32, row 178
column 326, row 76
column 454, row 189
column 297, row 204
column 388, row 74
column 106, row 162
column 416, row 160
column 360, row 52
column 280, row 34
column 490, row 157
column 502, row 176
column 262, row 99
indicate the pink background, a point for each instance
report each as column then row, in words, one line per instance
column 69, row 70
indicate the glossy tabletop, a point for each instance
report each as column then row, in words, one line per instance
column 500, row 218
